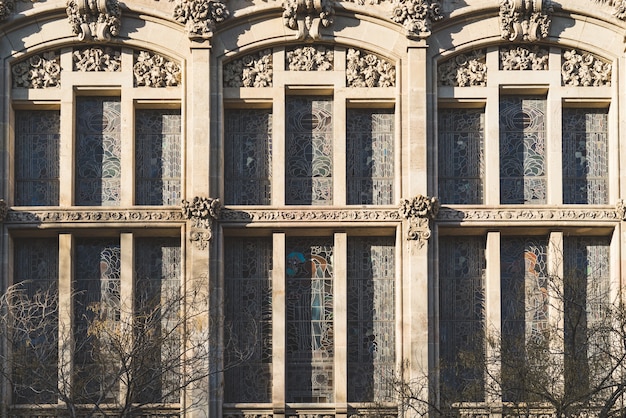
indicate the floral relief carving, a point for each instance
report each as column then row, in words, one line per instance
column 619, row 7
column 201, row 211
column 38, row 71
column 94, row 20
column 416, row 16
column 105, row 59
column 584, row 69
column 307, row 17
column 308, row 215
column 368, row 70
column 154, row 70
column 525, row 20
column 419, row 210
column 200, row 17
column 464, row 70
column 310, row 58
column 253, row 70
column 54, row 216
column 524, row 215
column 524, row 58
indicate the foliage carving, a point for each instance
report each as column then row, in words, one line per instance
column 416, row 16
column 252, row 70
column 368, row 70
column 200, row 17
column 38, row 72
column 464, row 70
column 525, row 20
column 307, row 17
column 94, row 20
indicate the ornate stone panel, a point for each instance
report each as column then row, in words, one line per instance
column 364, row 69
column 524, row 58
column 307, row 17
column 580, row 68
column 97, row 20
column 310, row 58
column 200, row 17
column 252, row 70
column 419, row 211
column 416, row 16
column 202, row 212
column 464, row 70
column 525, row 20
column 97, row 59
column 154, row 70
column 239, row 216
column 38, row 71
column 525, row 216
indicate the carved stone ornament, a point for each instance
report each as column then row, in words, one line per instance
column 306, row 16
column 416, row 16
column 310, row 58
column 37, row 217
column 364, row 69
column 201, row 211
column 526, row 216
column 464, row 70
column 524, row 58
column 105, row 59
column 419, row 210
column 154, row 70
column 6, row 8
column 525, row 20
column 584, row 69
column 94, row 19
column 200, row 17
column 4, row 210
column 619, row 7
column 38, row 71
column 308, row 215
column 620, row 208
column 253, row 70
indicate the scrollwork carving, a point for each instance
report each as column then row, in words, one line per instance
column 38, row 71
column 524, row 58
column 525, row 20
column 94, row 19
column 310, row 58
column 584, row 69
column 201, row 211
column 464, row 70
column 418, row 211
column 200, row 17
column 368, row 70
column 306, row 16
column 253, row 70
column 416, row 16
column 98, row 59
column 154, row 70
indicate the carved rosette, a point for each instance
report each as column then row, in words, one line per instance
column 253, row 70
column 419, row 210
column 201, row 211
column 584, row 69
column 416, row 16
column 154, row 70
column 98, row 59
column 308, row 16
column 38, row 72
column 364, row 69
column 4, row 210
column 94, row 19
column 200, row 17
column 525, row 20
column 464, row 70
column 310, row 58
column 524, row 58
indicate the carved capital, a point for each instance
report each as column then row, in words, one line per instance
column 94, row 19
column 308, row 16
column 419, row 210
column 4, row 210
column 525, row 20
column 416, row 16
column 201, row 211
column 200, row 17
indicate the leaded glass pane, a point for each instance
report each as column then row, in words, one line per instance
column 462, row 318
column 309, row 145
column 97, row 298
column 248, row 157
column 248, row 286
column 522, row 150
column 157, row 157
column 157, row 315
column 309, row 306
column 37, row 134
column 34, row 342
column 461, row 155
column 98, row 151
column 585, row 156
column 371, row 318
column 369, row 156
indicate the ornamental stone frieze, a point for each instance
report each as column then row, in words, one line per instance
column 581, row 68
column 464, row 70
column 97, row 20
column 524, row 58
column 364, row 69
column 201, row 211
column 93, row 215
column 252, row 70
column 310, row 58
column 419, row 211
column 237, row 216
column 416, row 16
column 105, row 59
column 200, row 17
column 308, row 16
column 154, row 70
column 525, row 20
column 38, row 71
column 524, row 216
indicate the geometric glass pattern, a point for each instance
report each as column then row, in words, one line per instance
column 309, row 316
column 157, row 157
column 37, row 134
column 248, row 311
column 371, row 317
column 369, row 156
column 522, row 150
column 98, row 151
column 248, row 156
column 462, row 317
column 461, row 159
column 585, row 156
column 309, row 149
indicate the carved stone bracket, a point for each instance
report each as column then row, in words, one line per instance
column 94, row 19
column 4, row 210
column 419, row 210
column 525, row 20
column 416, row 16
column 200, row 17
column 306, row 16
column 201, row 211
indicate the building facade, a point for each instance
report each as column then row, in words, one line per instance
column 360, row 193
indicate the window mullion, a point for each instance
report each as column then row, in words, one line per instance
column 340, row 315
column 278, row 323
column 492, row 313
column 66, row 372
column 126, row 297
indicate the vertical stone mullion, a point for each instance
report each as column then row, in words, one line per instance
column 127, row 269
column 66, row 325
column 339, row 150
column 278, row 324
column 67, row 141
column 340, row 314
column 493, row 325
column 554, row 158
column 492, row 148
column 556, row 306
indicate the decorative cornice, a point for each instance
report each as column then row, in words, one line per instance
column 94, row 19
column 252, row 70
column 364, row 69
column 416, row 16
column 154, row 70
column 4, row 210
column 523, row 215
column 38, row 71
column 418, row 211
column 200, row 17
column 524, row 58
column 306, row 16
column 584, row 69
column 307, row 215
column 464, row 70
column 201, row 211
column 310, row 58
column 92, row 215
column 525, row 20
column 105, row 59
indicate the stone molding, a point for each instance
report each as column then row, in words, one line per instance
column 202, row 212
column 38, row 71
column 524, row 58
column 584, row 69
column 525, row 20
column 419, row 211
column 464, row 70
column 93, row 215
column 97, row 20
column 308, row 16
column 200, row 17
column 105, row 59
column 310, row 58
column 307, row 215
column 364, row 69
column 154, row 70
column 524, row 215
column 252, row 70
column 416, row 16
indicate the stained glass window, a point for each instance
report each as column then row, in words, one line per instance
column 461, row 158
column 461, row 317
column 248, row 291
column 98, row 149
column 369, row 156
column 585, row 156
column 157, row 157
column 371, row 318
column 309, row 147
column 522, row 150
column 309, row 314
column 37, row 134
column 248, row 156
